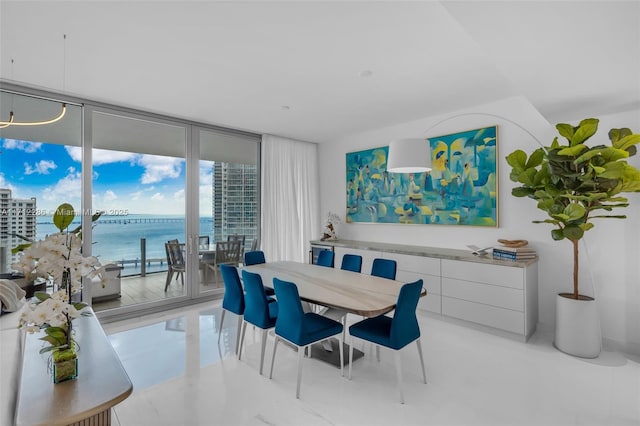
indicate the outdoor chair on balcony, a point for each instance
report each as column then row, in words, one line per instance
column 175, row 260
column 241, row 239
column 227, row 253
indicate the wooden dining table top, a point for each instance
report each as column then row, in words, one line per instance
column 354, row 292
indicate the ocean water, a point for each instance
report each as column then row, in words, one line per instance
column 117, row 238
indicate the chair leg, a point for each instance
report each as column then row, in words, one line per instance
column 169, row 276
column 341, row 348
column 424, row 373
column 181, row 278
column 300, row 359
column 399, row 374
column 220, row 326
column 264, row 345
column 350, row 355
column 273, row 357
column 238, row 332
column 241, row 334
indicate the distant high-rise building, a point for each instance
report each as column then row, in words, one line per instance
column 235, row 204
column 17, row 217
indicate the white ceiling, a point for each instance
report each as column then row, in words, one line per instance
column 239, row 64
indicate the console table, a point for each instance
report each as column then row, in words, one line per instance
column 102, row 381
column 497, row 295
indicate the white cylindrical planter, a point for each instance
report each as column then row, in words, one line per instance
column 578, row 330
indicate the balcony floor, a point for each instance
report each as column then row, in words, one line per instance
column 150, row 288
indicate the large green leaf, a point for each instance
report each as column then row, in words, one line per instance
column 557, row 234
column 63, row 216
column 587, row 128
column 42, row 296
column 521, row 192
column 527, row 177
column 566, row 130
column 627, row 142
column 573, row 150
column 535, row 159
column 573, row 232
column 613, row 170
column 517, row 159
column 617, row 134
column 631, row 179
column 575, row 211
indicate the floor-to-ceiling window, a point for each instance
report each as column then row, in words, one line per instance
column 138, row 182
column 228, row 181
column 40, row 168
column 154, row 179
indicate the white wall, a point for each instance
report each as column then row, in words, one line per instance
column 613, row 247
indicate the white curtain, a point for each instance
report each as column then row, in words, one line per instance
column 290, row 198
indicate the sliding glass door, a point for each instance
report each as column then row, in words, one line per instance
column 138, row 182
column 167, row 192
column 228, row 199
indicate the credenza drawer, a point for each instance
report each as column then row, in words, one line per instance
column 430, row 283
column 432, row 302
column 502, row 297
column 500, row 318
column 421, row 264
column 482, row 273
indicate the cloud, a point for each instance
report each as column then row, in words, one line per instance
column 67, row 189
column 109, row 196
column 157, row 197
column 102, row 156
column 75, row 152
column 158, row 168
column 41, row 167
column 28, row 147
column 135, row 195
column 178, row 195
column 5, row 184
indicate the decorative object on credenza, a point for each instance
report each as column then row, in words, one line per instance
column 329, row 232
column 574, row 183
column 59, row 260
column 460, row 189
column 513, row 243
column 514, row 250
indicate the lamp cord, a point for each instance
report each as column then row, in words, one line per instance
column 490, row 115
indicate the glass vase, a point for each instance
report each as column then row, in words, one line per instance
column 65, row 365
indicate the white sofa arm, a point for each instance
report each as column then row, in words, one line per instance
column 11, row 348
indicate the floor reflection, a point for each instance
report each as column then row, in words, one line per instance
column 166, row 349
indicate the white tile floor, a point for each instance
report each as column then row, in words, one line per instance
column 182, row 377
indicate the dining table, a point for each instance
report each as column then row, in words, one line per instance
column 353, row 292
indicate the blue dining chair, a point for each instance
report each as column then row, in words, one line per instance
column 384, row 268
column 233, row 299
column 325, row 258
column 394, row 333
column 299, row 328
column 351, row 262
column 259, row 310
column 256, row 257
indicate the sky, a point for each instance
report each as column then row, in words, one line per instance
column 123, row 182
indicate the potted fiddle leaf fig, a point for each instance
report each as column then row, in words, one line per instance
column 574, row 183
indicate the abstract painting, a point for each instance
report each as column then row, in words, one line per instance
column 461, row 188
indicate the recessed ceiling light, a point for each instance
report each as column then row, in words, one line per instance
column 366, row 73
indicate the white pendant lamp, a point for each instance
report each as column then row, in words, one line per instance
column 409, row 156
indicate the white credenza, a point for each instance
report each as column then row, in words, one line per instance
column 495, row 294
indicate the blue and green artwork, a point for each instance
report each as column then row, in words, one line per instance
column 461, row 188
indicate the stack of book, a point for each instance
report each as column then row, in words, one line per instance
column 514, row 253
